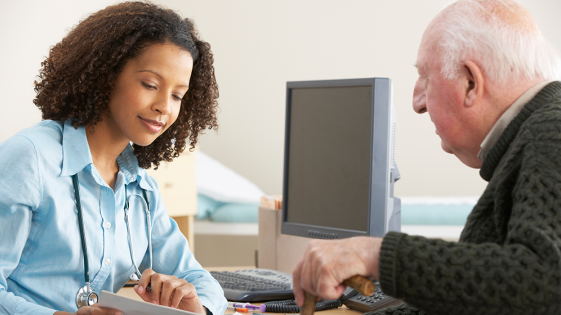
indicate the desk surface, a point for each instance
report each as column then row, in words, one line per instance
column 343, row 310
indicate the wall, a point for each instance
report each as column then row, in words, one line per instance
column 258, row 46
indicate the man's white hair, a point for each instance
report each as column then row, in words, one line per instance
column 503, row 52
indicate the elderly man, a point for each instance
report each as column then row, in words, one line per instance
column 486, row 78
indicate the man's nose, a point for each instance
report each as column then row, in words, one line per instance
column 419, row 99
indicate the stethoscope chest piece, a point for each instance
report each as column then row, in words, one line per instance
column 86, row 297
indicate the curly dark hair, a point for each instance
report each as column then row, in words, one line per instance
column 76, row 79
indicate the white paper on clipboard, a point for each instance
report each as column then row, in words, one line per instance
column 131, row 306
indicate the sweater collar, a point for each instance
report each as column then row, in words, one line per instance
column 507, row 117
column 495, row 154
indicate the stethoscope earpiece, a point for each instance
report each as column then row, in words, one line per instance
column 134, row 277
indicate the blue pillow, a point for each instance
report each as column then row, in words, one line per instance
column 235, row 212
column 206, row 206
column 412, row 214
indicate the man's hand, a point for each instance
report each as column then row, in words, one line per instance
column 326, row 264
column 169, row 291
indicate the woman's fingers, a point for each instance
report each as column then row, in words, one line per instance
column 169, row 290
column 185, row 291
column 156, row 283
column 143, row 282
column 162, row 287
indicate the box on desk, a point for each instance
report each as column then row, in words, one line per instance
column 275, row 250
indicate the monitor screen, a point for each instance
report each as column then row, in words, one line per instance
column 337, row 180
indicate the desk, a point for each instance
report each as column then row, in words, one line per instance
column 343, row 310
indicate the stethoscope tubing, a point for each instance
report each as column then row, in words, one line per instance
column 84, row 294
column 149, row 225
column 81, row 226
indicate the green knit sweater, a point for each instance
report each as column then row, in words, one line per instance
column 508, row 259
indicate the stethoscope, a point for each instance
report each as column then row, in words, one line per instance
column 86, row 296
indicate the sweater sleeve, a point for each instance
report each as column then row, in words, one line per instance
column 519, row 274
column 402, row 309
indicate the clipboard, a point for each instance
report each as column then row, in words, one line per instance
column 136, row 307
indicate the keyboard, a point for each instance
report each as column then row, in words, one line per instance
column 255, row 285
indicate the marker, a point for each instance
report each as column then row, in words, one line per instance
column 243, row 310
column 261, row 307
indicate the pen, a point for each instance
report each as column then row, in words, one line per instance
column 243, row 310
column 261, row 307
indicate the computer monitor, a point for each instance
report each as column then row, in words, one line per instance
column 339, row 165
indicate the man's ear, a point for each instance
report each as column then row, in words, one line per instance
column 474, row 83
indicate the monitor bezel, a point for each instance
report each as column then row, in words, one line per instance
column 379, row 178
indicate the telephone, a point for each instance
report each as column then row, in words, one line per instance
column 356, row 301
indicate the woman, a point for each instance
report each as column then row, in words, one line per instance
column 133, row 73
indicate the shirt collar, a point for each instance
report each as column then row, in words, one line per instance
column 76, row 156
column 76, row 153
column 128, row 165
column 507, row 117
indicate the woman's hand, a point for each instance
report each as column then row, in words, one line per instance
column 92, row 310
column 169, row 291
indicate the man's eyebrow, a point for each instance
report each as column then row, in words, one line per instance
column 156, row 73
column 420, row 67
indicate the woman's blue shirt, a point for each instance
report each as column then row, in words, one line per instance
column 41, row 260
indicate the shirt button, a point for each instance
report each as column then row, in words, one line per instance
column 107, row 261
column 107, row 224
